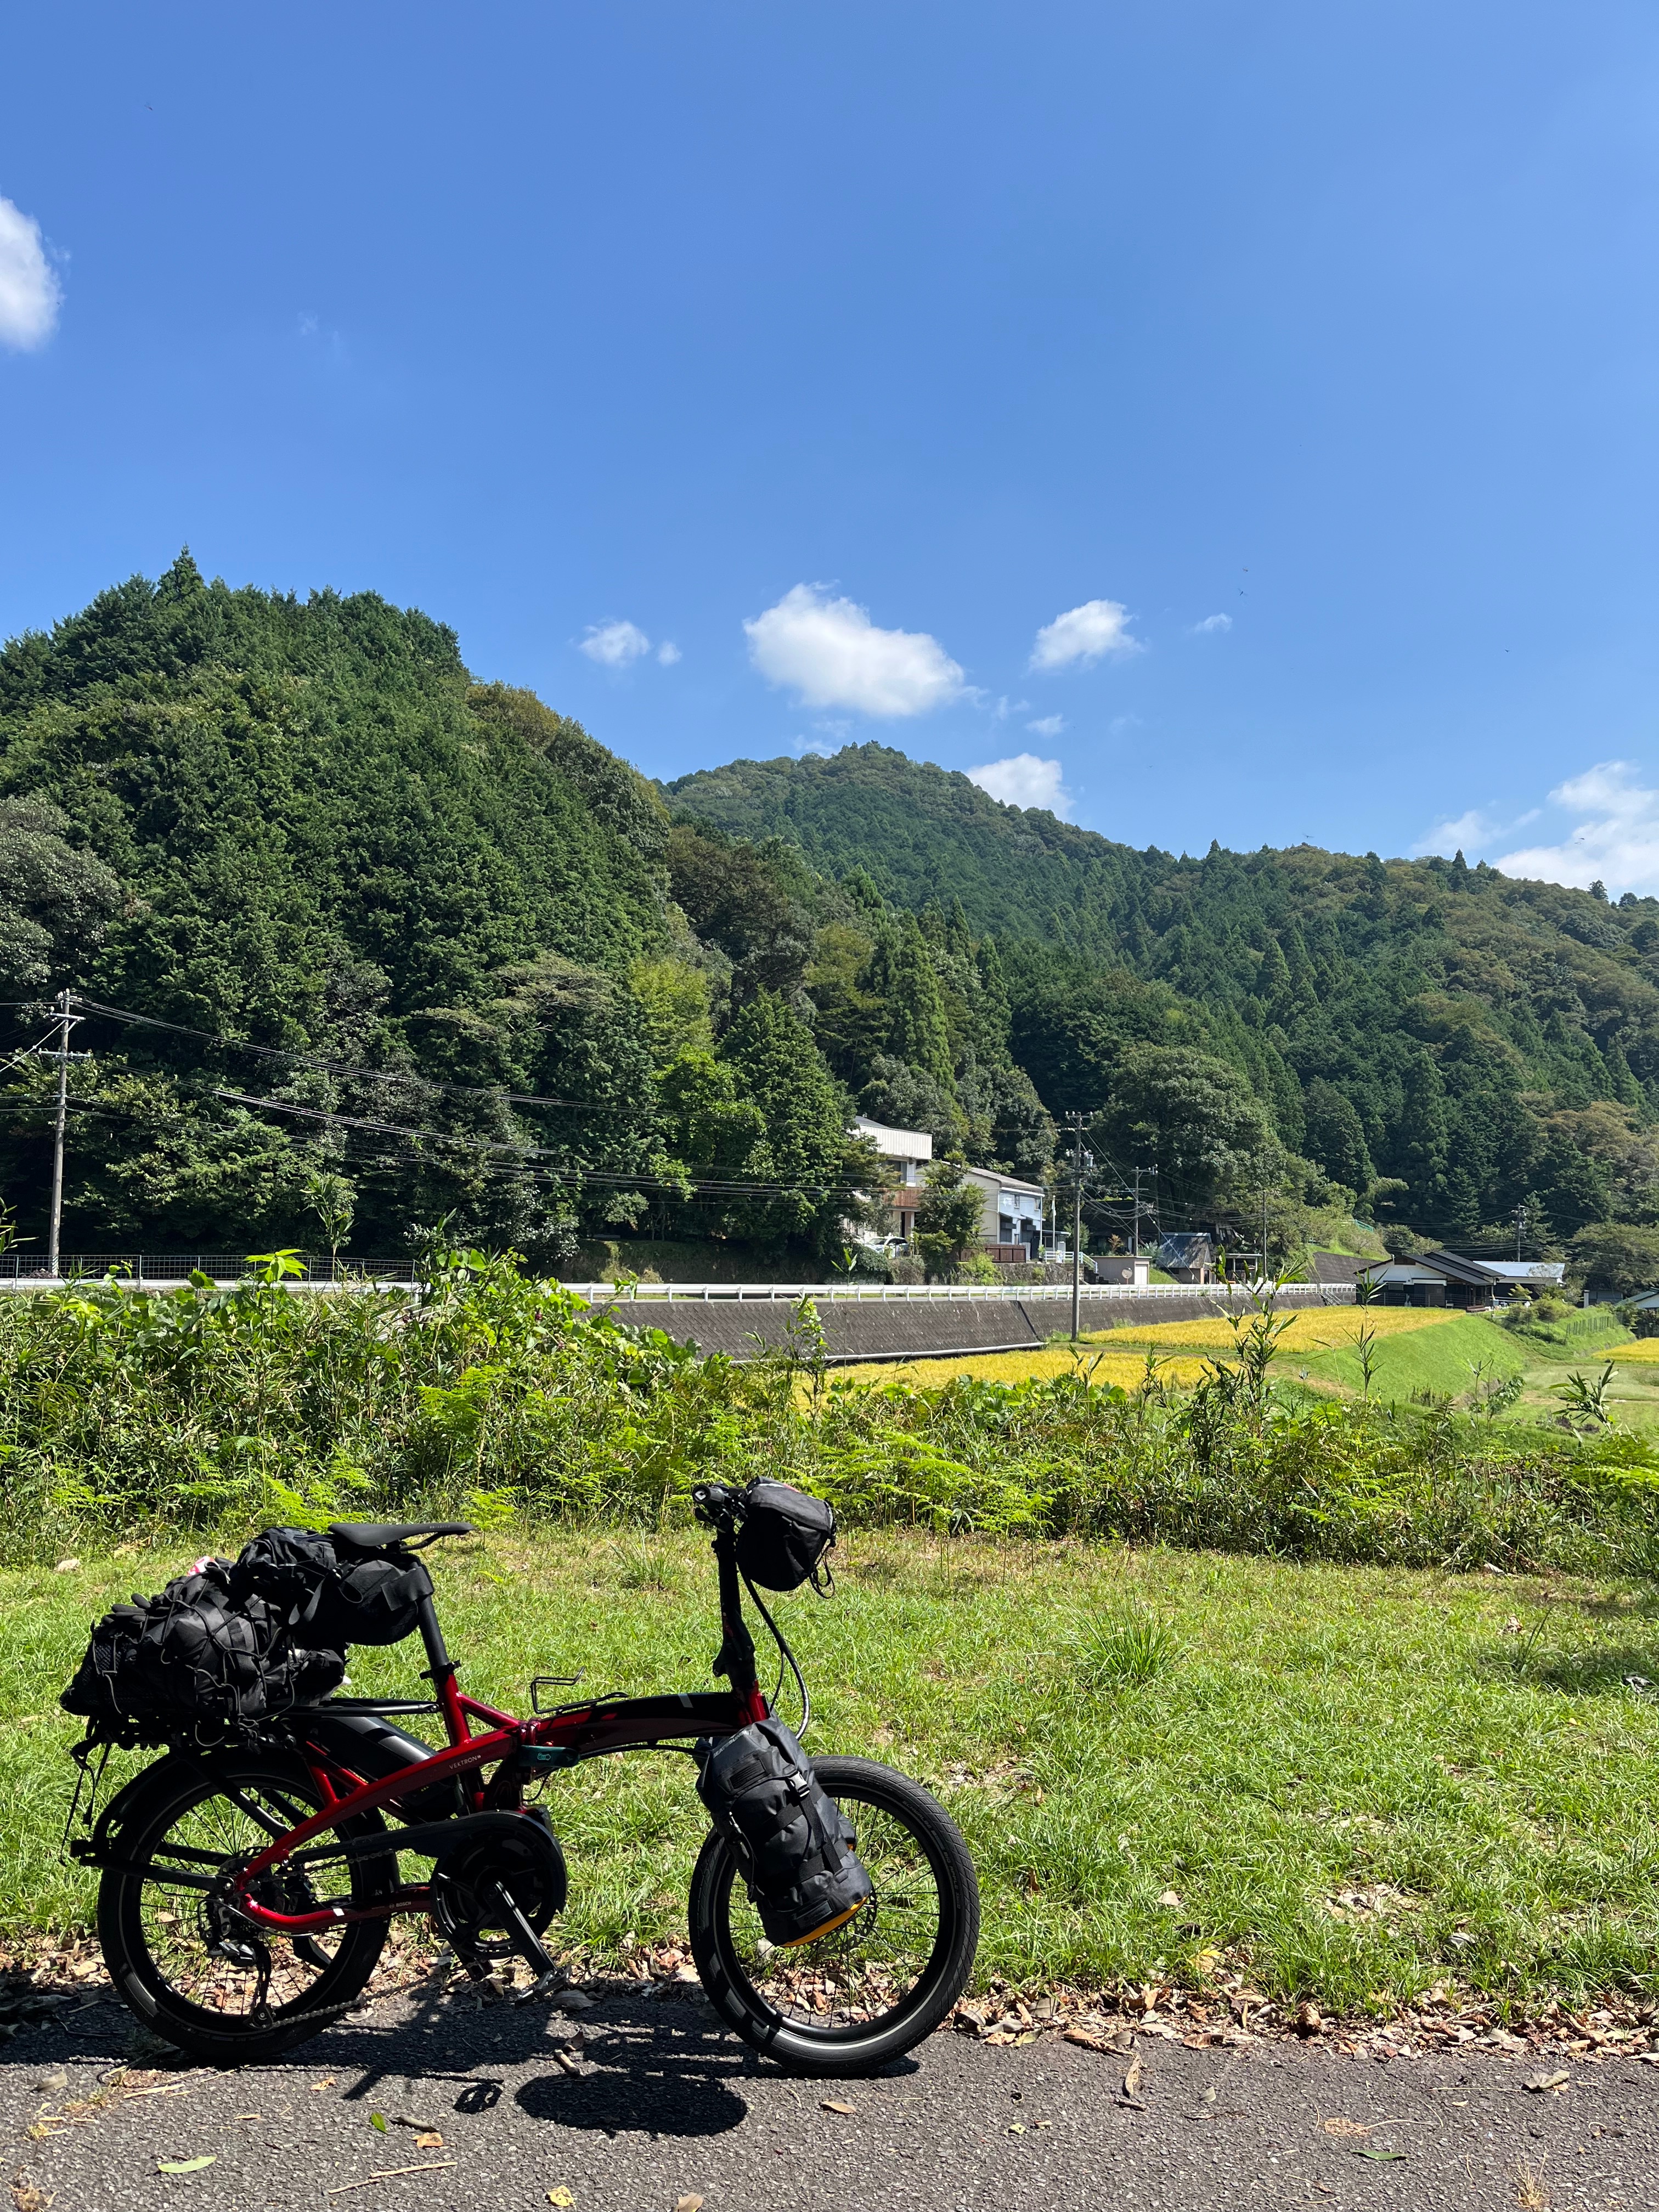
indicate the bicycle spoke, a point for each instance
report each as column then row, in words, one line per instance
column 213, row 1961
column 868, row 1967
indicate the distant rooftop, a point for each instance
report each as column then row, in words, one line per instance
column 896, row 1143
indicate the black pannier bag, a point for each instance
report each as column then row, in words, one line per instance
column 794, row 1846
column 327, row 1594
column 784, row 1536
column 192, row 1664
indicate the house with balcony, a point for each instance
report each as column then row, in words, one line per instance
column 911, row 1152
column 1010, row 1215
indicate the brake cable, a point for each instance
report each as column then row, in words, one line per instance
column 782, row 1643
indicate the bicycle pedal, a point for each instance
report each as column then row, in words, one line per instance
column 544, row 1987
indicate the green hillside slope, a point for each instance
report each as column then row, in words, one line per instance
column 1484, row 1043
column 415, row 956
column 300, row 824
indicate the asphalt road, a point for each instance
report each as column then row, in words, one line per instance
column 640, row 2102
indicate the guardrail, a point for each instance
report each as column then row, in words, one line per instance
column 880, row 1293
column 143, row 1269
column 153, row 1271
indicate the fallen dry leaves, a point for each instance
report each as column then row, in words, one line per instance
column 1228, row 2010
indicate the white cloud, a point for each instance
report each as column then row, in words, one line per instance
column 1084, row 635
column 1473, row 832
column 801, row 746
column 614, row 644
column 29, row 290
column 1050, row 725
column 1025, row 781
column 667, row 653
column 1212, row 622
column 1617, row 845
column 1120, row 725
column 830, row 652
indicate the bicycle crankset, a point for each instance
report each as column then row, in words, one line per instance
column 492, row 1891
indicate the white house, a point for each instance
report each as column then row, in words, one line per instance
column 1011, row 1212
column 911, row 1152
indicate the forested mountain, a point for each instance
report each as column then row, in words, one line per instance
column 1482, row 1041
column 415, row 949
column 299, row 826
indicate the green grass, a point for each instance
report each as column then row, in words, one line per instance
column 1108, row 1726
column 1441, row 1358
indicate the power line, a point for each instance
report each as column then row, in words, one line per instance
column 328, row 1066
column 507, row 1156
column 525, row 1154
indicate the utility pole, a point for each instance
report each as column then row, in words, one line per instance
column 66, row 1021
column 1134, row 1234
column 1520, row 1227
column 1263, row 1276
column 1074, row 1122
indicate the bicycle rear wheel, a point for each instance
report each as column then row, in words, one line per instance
column 874, row 1987
column 220, row 1986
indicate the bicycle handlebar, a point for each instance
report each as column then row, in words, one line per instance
column 716, row 1503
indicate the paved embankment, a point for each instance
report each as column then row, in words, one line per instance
column 641, row 2103
column 917, row 1328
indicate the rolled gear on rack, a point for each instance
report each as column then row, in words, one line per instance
column 330, row 1591
column 193, row 1664
column 795, row 1847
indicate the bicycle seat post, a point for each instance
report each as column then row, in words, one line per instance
column 440, row 1668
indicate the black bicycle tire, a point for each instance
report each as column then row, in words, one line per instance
column 196, row 2029
column 842, row 2052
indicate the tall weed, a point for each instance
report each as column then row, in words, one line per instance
column 488, row 1392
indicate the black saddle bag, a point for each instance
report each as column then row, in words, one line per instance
column 327, row 1594
column 794, row 1846
column 785, row 1537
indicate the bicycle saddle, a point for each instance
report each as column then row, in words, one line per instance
column 375, row 1535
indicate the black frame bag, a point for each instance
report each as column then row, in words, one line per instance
column 794, row 1844
column 785, row 1537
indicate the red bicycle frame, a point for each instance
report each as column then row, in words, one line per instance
column 521, row 1749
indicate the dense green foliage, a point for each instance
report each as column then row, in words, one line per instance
column 405, row 897
column 431, row 956
column 122, row 1411
column 1458, row 1042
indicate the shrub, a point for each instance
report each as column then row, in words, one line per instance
column 488, row 1391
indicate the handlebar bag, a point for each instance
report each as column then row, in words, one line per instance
column 794, row 1846
column 784, row 1536
column 332, row 1598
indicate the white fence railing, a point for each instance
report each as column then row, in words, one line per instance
column 881, row 1293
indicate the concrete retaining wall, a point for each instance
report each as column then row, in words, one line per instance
column 934, row 1328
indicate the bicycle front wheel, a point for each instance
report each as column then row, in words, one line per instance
column 217, row 1985
column 872, row 1988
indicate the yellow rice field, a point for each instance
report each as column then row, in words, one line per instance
column 1120, row 1355
column 1313, row 1329
column 1126, row 1367
column 1643, row 1354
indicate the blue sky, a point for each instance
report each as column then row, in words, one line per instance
column 1240, row 420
